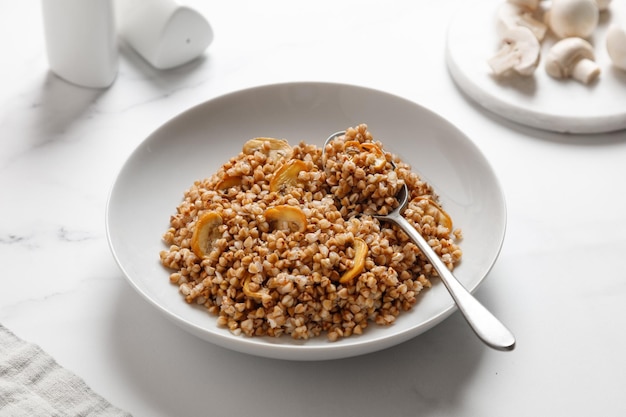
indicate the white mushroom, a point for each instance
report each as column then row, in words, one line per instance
column 511, row 15
column 528, row 4
column 603, row 4
column 616, row 45
column 572, row 58
column 519, row 52
column 573, row 18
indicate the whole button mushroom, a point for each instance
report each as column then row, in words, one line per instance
column 519, row 52
column 616, row 45
column 572, row 58
column 573, row 18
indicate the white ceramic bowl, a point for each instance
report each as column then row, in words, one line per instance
column 195, row 143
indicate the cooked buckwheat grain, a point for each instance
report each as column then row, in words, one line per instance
column 262, row 278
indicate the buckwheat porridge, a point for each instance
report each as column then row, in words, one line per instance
column 280, row 240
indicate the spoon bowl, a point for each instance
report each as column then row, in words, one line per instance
column 486, row 326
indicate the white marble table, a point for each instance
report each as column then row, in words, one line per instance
column 559, row 282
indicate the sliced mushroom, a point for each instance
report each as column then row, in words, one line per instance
column 379, row 160
column 434, row 210
column 519, row 53
column 287, row 175
column 262, row 295
column 358, row 262
column 529, row 4
column 353, row 147
column 227, row 182
column 512, row 15
column 287, row 218
column 572, row 58
column 603, row 5
column 206, row 232
column 573, row 18
column 273, row 148
column 616, row 45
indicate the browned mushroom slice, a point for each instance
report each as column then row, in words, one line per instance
column 352, row 147
column 287, row 175
column 288, row 218
column 227, row 182
column 378, row 159
column 360, row 253
column 261, row 295
column 433, row 209
column 206, row 232
column 273, row 148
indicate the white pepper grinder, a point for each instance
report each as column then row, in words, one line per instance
column 81, row 41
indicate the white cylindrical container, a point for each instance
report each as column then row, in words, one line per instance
column 164, row 32
column 81, row 41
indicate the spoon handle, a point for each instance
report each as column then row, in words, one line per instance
column 486, row 326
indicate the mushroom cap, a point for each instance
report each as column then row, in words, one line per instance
column 573, row 18
column 616, row 45
column 603, row 5
column 565, row 54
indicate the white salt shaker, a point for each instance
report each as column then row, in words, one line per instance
column 164, row 32
column 81, row 41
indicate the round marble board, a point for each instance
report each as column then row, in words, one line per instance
column 538, row 101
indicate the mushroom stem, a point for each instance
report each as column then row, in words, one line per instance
column 585, row 71
column 504, row 60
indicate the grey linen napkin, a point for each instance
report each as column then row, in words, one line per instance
column 32, row 383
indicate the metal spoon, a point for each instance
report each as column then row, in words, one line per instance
column 486, row 326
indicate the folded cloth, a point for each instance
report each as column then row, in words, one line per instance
column 32, row 383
